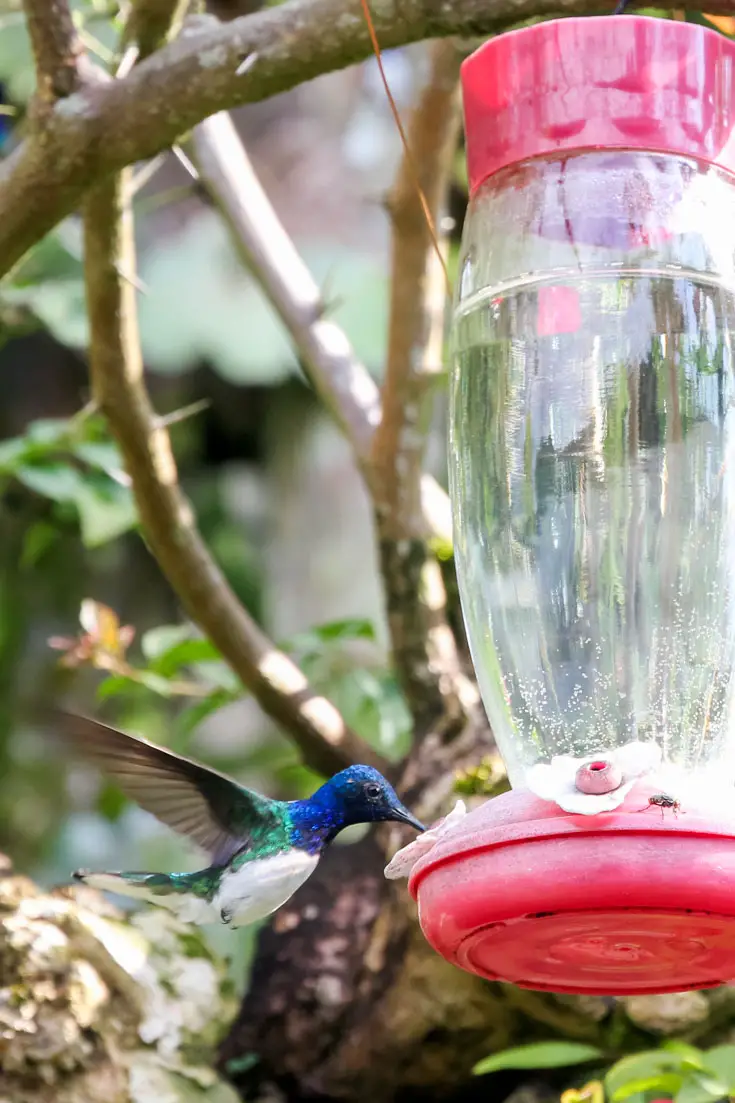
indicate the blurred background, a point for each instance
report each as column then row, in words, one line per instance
column 277, row 495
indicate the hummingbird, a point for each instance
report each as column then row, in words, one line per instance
column 260, row 850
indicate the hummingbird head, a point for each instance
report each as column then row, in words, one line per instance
column 360, row 794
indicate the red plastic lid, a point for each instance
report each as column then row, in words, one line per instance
column 620, row 82
column 616, row 904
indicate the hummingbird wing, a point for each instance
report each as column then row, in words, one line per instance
column 210, row 809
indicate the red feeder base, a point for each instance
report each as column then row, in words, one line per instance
column 617, row 904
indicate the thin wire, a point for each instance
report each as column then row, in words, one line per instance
column 404, row 140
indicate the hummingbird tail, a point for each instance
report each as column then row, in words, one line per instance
column 182, row 893
column 142, row 886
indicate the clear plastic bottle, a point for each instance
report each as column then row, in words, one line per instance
column 592, row 422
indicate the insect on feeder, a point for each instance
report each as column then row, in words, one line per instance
column 592, row 439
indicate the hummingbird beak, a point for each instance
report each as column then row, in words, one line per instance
column 402, row 815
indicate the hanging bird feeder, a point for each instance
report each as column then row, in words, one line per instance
column 592, row 465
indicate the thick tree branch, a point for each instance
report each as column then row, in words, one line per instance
column 343, row 383
column 102, row 129
column 56, row 48
column 117, row 378
column 424, row 651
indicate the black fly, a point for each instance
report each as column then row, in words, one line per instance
column 662, row 801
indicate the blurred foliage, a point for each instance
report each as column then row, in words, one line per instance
column 47, row 288
column 180, row 662
column 72, row 463
column 676, row 1071
column 198, row 295
column 540, row 1055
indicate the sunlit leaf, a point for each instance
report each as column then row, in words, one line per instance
column 720, row 1060
column 10, row 452
column 57, row 481
column 640, row 1066
column 155, row 682
column 159, row 641
column 115, row 686
column 219, row 674
column 690, row 1055
column 700, row 1088
column 333, row 632
column 103, row 455
column 104, row 512
column 666, row 1083
column 47, row 430
column 540, row 1055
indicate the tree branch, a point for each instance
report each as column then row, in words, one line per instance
column 343, row 383
column 424, row 651
column 56, row 48
column 168, row 522
column 416, row 325
column 99, row 130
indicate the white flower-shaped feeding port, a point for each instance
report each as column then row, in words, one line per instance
column 598, row 782
column 406, row 858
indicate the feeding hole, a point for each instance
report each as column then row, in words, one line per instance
column 599, row 776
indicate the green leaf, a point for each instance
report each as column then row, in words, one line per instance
column 374, row 706
column 667, row 1083
column 47, row 431
column 640, row 1066
column 102, row 454
column 192, row 716
column 191, row 652
column 720, row 1060
column 541, row 1055
column 104, row 513
column 159, row 641
column 57, row 481
column 690, row 1055
column 37, row 542
column 114, row 686
column 10, row 452
column 699, row 1088
column 336, row 631
column 155, row 682
column 219, row 674
column 111, row 802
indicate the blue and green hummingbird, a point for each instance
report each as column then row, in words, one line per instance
column 260, row 850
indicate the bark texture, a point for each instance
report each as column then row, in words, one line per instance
column 97, row 1009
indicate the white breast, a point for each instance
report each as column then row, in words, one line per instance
column 259, row 887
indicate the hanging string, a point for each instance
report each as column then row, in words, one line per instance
column 409, row 155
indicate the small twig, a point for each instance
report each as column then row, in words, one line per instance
column 185, row 412
column 423, row 646
column 116, row 368
column 342, row 382
column 56, row 48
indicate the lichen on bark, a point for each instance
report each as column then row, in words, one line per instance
column 95, row 1006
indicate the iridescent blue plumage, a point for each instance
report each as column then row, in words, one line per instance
column 358, row 794
column 260, row 849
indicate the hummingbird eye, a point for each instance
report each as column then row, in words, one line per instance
column 372, row 790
